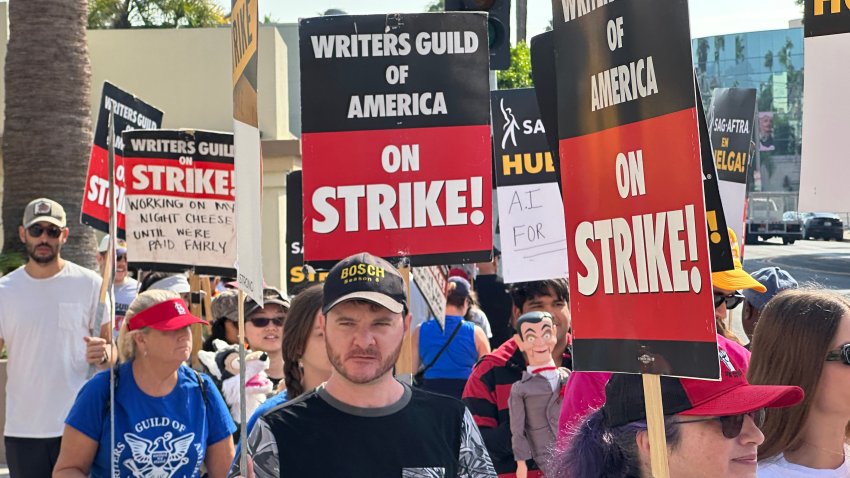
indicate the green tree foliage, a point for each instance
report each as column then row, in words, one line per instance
column 154, row 14
column 519, row 74
column 10, row 261
column 436, row 6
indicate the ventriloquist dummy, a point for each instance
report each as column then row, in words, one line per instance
column 535, row 402
column 223, row 366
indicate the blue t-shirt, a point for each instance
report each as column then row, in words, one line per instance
column 457, row 360
column 154, row 436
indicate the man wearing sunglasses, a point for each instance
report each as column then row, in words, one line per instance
column 47, row 313
column 126, row 288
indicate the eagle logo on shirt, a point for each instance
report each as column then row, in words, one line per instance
column 157, row 458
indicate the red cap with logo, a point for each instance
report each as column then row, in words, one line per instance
column 732, row 395
column 169, row 315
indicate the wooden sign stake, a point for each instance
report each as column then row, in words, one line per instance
column 404, row 364
column 655, row 425
column 197, row 331
column 207, row 288
column 243, row 418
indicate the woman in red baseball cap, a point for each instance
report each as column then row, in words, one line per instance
column 168, row 419
column 712, row 427
column 803, row 339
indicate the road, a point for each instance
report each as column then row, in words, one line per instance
column 821, row 263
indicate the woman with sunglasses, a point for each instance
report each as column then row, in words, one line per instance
column 306, row 363
column 711, row 427
column 803, row 339
column 264, row 329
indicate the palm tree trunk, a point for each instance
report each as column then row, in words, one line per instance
column 47, row 137
column 521, row 19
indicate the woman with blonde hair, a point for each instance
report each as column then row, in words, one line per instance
column 168, row 419
column 803, row 339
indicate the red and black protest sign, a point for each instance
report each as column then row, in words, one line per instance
column 130, row 113
column 396, row 137
column 298, row 275
column 542, row 50
column 640, row 285
column 180, row 199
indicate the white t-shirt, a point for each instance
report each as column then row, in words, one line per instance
column 43, row 322
column 779, row 467
column 124, row 295
column 479, row 318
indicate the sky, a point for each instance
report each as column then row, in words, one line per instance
column 708, row 17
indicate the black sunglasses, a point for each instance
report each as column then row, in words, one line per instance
column 731, row 425
column 841, row 354
column 732, row 300
column 52, row 231
column 118, row 257
column 264, row 321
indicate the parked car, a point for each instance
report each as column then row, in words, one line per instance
column 823, row 225
column 767, row 217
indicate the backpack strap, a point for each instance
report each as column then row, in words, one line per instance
column 202, row 386
column 108, row 405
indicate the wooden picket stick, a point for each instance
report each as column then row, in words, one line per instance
column 404, row 364
column 655, row 425
column 243, row 415
column 197, row 330
column 206, row 286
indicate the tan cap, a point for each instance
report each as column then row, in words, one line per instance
column 43, row 209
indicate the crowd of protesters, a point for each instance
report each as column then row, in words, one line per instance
column 496, row 385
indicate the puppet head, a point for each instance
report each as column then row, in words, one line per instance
column 536, row 337
column 224, row 366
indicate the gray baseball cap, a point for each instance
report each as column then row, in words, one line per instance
column 270, row 296
column 43, row 209
column 775, row 280
column 226, row 305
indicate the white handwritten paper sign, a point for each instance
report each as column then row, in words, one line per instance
column 180, row 201
column 534, row 245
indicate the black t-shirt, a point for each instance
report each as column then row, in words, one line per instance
column 316, row 435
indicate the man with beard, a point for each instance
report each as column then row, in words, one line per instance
column 375, row 425
column 47, row 313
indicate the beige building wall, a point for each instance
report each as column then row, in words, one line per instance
column 187, row 74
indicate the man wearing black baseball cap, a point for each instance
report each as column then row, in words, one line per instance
column 362, row 407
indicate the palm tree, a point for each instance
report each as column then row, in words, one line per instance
column 521, row 19
column 47, row 137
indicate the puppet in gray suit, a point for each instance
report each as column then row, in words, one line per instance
column 535, row 403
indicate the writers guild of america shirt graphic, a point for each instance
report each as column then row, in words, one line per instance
column 160, row 457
